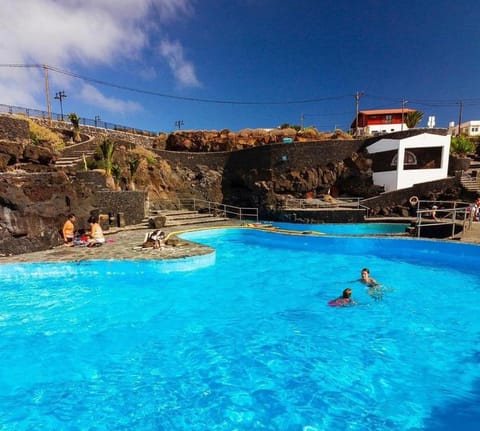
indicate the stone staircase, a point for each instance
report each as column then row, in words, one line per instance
column 185, row 217
column 74, row 154
column 73, row 158
column 470, row 179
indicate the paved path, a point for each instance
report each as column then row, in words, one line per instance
column 472, row 234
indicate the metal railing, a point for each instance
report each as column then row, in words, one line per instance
column 438, row 213
column 35, row 113
column 219, row 209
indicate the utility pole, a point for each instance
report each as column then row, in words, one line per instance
column 357, row 96
column 460, row 118
column 301, row 120
column 404, row 102
column 47, row 92
column 59, row 95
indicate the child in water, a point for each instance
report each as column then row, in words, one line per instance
column 344, row 300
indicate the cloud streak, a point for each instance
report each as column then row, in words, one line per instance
column 93, row 95
column 182, row 69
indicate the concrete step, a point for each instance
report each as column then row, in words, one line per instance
column 194, row 221
column 185, row 217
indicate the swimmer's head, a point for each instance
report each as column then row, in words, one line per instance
column 347, row 292
column 365, row 273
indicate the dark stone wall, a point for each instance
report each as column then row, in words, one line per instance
column 94, row 178
column 423, row 191
column 214, row 161
column 129, row 203
column 277, row 156
column 14, row 129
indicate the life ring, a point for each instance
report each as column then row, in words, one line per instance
column 413, row 201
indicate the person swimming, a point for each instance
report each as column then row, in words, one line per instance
column 366, row 279
column 374, row 289
column 343, row 301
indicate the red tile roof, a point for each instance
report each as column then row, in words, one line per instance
column 385, row 111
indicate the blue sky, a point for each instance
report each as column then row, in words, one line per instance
column 235, row 64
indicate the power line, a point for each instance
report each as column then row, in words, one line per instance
column 438, row 103
column 171, row 96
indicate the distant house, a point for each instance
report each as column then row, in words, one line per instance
column 469, row 128
column 402, row 159
column 379, row 121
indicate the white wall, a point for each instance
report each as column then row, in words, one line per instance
column 400, row 178
column 384, row 128
column 471, row 128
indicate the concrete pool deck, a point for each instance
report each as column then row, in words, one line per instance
column 126, row 243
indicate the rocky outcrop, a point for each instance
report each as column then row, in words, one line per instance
column 34, row 207
column 226, row 140
column 34, row 198
column 17, row 149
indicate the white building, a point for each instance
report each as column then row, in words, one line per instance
column 403, row 159
column 469, row 128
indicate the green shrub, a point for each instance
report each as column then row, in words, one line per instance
column 461, row 146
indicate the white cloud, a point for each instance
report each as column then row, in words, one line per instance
column 93, row 95
column 182, row 69
column 69, row 34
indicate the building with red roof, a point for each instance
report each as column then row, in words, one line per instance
column 379, row 121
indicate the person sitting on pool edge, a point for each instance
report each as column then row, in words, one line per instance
column 68, row 230
column 344, row 300
column 96, row 233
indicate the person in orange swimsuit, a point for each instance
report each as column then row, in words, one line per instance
column 68, row 230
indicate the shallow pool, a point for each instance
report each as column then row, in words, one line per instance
column 244, row 340
column 347, row 228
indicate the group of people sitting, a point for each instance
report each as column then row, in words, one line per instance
column 89, row 238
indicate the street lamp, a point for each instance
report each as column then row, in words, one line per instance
column 178, row 124
column 60, row 95
column 97, row 119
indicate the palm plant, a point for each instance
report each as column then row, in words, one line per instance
column 413, row 118
column 107, row 148
column 75, row 120
column 133, row 163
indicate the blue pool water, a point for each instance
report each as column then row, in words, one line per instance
column 243, row 339
column 346, row 228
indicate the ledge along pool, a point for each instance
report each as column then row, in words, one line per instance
column 346, row 228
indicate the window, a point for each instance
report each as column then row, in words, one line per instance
column 409, row 159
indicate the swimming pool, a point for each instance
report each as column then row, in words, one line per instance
column 346, row 228
column 244, row 340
